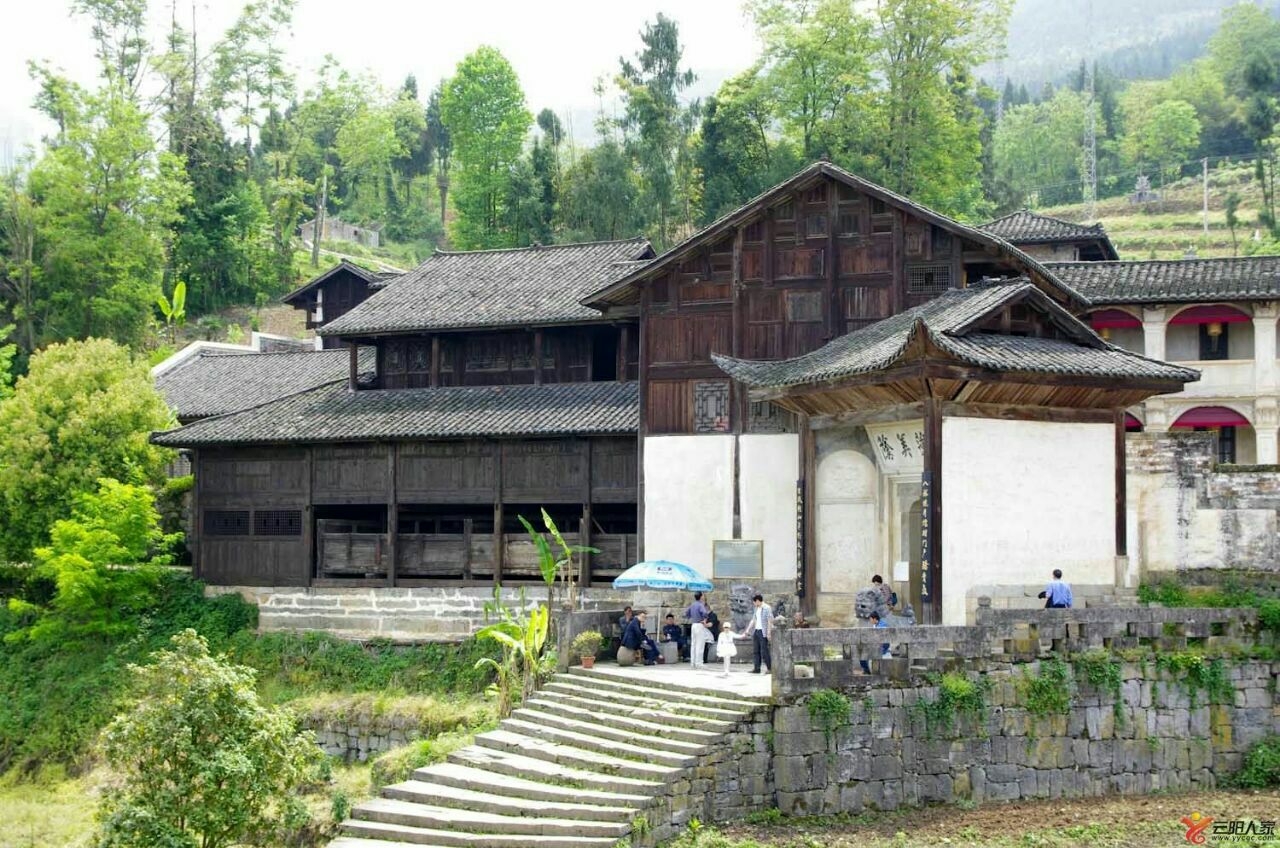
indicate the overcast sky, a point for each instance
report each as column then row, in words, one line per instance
column 558, row 47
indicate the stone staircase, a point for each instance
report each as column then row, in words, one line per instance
column 576, row 766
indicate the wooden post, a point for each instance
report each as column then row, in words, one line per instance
column 584, row 533
column 197, row 531
column 933, row 471
column 808, row 517
column 393, row 513
column 624, row 337
column 591, row 355
column 737, row 396
column 537, row 357
column 308, row 517
column 499, row 538
column 766, row 271
column 1122, row 541
column 642, row 428
column 435, row 361
column 831, row 263
column 466, row 549
column 353, row 375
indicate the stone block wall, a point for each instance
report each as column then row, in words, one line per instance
column 885, row 756
column 360, row 738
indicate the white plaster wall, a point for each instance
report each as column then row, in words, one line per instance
column 1020, row 498
column 846, row 523
column 688, row 497
column 768, row 468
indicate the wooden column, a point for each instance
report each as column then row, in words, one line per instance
column 393, row 513
column 766, row 258
column 537, row 357
column 353, row 368
column 624, row 337
column 831, row 263
column 584, row 532
column 1122, row 541
column 435, row 361
column 308, row 516
column 643, row 423
column 466, row 549
column 499, row 540
column 899, row 292
column 933, row 514
column 591, row 355
column 197, row 534
column 808, row 553
column 737, row 396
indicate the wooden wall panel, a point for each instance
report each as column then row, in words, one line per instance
column 613, row 471
column 350, row 474
column 251, row 476
column 667, row 406
column 544, row 471
column 446, row 472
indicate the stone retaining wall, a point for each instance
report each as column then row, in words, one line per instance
column 360, row 738
column 884, row 757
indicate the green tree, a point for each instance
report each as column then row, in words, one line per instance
column 657, row 126
column 7, row 353
column 85, row 410
column 19, row 272
column 94, row 595
column 1164, row 134
column 483, row 107
column 816, row 56
column 1038, row 150
column 1232, row 206
column 204, row 763
column 249, row 75
column 442, row 145
column 601, row 195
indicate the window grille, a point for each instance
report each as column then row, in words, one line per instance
column 930, row 278
column 226, row 522
column 277, row 522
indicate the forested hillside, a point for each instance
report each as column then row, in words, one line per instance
column 195, row 159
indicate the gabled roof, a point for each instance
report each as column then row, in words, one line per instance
column 621, row 290
column 334, row 413
column 1174, row 280
column 492, row 288
column 948, row 322
column 1027, row 227
column 375, row 279
column 214, row 383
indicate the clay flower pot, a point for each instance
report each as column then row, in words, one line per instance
column 589, row 662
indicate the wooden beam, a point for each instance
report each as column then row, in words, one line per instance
column 933, row 516
column 1122, row 541
column 353, row 368
column 1014, row 412
column 897, row 412
column 393, row 513
column 499, row 539
column 308, row 515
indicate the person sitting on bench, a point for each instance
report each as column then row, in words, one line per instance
column 672, row 632
column 635, row 639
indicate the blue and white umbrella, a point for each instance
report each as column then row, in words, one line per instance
column 662, row 574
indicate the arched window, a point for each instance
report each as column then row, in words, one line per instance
column 1229, row 425
column 1210, row 332
column 1118, row 327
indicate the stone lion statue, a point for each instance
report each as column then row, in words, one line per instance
column 869, row 600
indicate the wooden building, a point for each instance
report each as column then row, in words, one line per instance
column 476, row 389
column 1052, row 239
column 334, row 293
column 775, row 400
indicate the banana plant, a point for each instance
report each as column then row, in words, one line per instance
column 552, row 566
column 174, row 309
column 522, row 638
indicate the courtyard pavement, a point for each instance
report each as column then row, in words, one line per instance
column 740, row 681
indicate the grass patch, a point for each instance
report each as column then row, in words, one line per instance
column 399, row 763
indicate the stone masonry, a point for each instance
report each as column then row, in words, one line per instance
column 884, row 756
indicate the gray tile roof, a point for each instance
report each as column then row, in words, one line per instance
column 619, row 290
column 1025, row 226
column 1174, row 280
column 948, row 320
column 489, row 288
column 333, row 413
column 218, row 383
column 375, row 279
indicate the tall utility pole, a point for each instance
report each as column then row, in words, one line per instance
column 1205, row 215
column 1090, row 128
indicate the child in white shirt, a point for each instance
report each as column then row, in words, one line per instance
column 726, row 648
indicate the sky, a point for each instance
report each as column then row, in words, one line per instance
column 558, row 47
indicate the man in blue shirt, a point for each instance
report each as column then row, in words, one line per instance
column 672, row 632
column 1057, row 594
column 884, row 647
column 636, row 639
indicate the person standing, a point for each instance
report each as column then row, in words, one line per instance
column 1057, row 594
column 877, row 583
column 699, row 633
column 761, row 628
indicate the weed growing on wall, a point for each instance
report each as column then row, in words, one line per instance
column 957, row 696
column 1046, row 692
column 829, row 710
column 1199, row 674
column 1104, row 673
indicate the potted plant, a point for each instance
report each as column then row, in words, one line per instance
column 585, row 646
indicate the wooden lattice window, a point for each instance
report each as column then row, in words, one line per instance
column 815, row 224
column 711, row 406
column 226, row 522
column 850, row 222
column 928, row 278
column 277, row 522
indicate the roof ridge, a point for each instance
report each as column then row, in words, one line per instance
column 1184, row 260
column 305, row 352
column 533, row 247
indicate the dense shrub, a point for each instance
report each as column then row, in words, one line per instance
column 1261, row 764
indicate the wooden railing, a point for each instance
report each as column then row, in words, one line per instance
column 465, row 557
column 805, row 660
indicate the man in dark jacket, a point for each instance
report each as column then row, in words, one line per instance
column 636, row 639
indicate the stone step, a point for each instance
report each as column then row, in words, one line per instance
column 504, row 739
column 430, row 817
column 651, row 712
column 539, row 769
column 695, row 693
column 647, row 722
column 639, row 733
column 481, row 780
column 641, row 699
column 372, row 834
column 483, row 801
column 587, row 739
